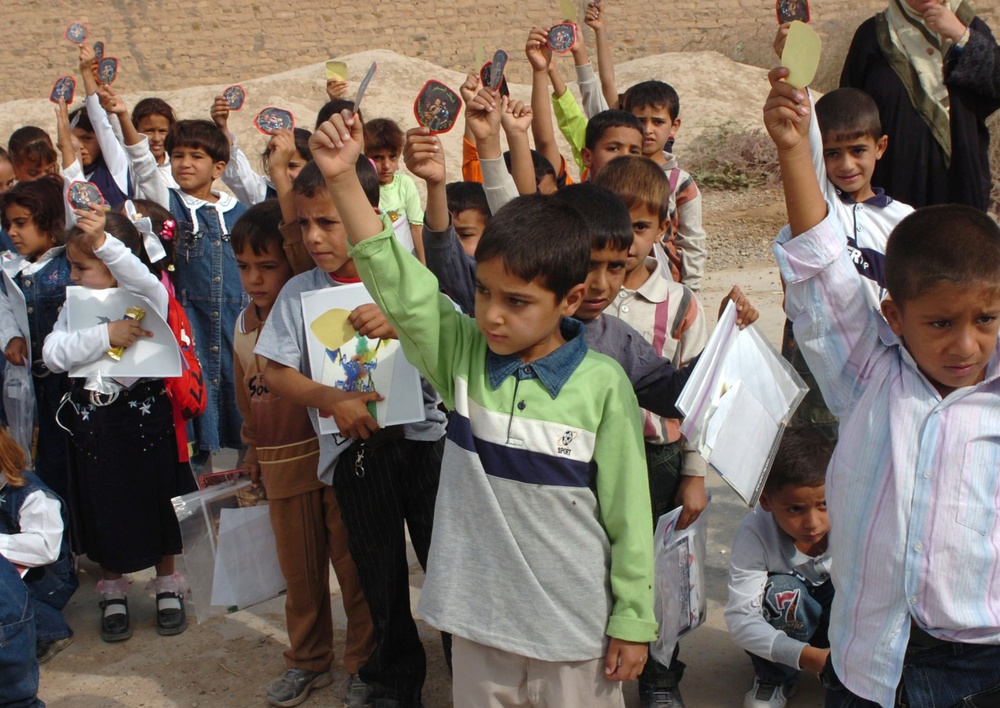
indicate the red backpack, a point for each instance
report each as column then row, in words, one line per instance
column 187, row 391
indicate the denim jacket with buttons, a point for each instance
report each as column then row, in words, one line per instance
column 208, row 285
column 44, row 294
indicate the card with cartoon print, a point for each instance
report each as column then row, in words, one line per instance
column 63, row 88
column 82, row 194
column 234, row 95
column 273, row 118
column 562, row 37
column 76, row 32
column 437, row 107
column 98, row 51
column 791, row 10
column 107, row 70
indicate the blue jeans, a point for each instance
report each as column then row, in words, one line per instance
column 50, row 588
column 942, row 675
column 800, row 610
column 18, row 665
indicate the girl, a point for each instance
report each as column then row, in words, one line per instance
column 32, row 524
column 153, row 117
column 7, row 176
column 33, row 215
column 125, row 459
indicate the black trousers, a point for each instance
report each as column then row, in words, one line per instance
column 379, row 488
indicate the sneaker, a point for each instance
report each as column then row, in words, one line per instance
column 294, row 687
column 767, row 695
column 115, row 627
column 660, row 697
column 357, row 694
column 46, row 650
column 170, row 615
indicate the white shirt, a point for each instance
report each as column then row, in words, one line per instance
column 41, row 531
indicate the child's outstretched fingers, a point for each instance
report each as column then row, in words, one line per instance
column 625, row 660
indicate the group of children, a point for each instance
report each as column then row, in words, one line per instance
column 554, row 325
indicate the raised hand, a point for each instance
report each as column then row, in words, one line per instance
column 423, row 155
column 337, row 144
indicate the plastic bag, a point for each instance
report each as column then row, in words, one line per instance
column 19, row 404
column 680, row 603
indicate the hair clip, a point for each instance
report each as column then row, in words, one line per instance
column 169, row 230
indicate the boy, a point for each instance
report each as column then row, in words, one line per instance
column 610, row 134
column 18, row 663
column 912, row 482
column 470, row 213
column 382, row 478
column 779, row 577
column 657, row 105
column 283, row 454
column 398, row 195
column 543, row 499
column 669, row 316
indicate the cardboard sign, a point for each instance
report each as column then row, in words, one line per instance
column 234, row 95
column 273, row 118
column 485, row 78
column 76, row 32
column 497, row 67
column 107, row 70
column 63, row 88
column 562, row 37
column 801, row 54
column 791, row 10
column 336, row 70
column 364, row 86
column 437, row 107
column 81, row 194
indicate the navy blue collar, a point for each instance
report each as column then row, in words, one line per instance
column 881, row 199
column 553, row 370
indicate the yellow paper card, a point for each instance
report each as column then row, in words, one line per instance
column 569, row 10
column 801, row 54
column 336, row 70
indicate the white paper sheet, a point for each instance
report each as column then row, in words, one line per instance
column 246, row 559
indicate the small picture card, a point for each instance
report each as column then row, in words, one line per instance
column 562, row 37
column 791, row 10
column 497, row 67
column 336, row 70
column 364, row 86
column 273, row 118
column 437, row 107
column 63, row 88
column 485, row 77
column 98, row 51
column 801, row 54
column 76, row 32
column 107, row 70
column 234, row 95
column 82, row 194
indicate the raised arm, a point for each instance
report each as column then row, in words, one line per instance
column 515, row 118
column 540, row 56
column 597, row 20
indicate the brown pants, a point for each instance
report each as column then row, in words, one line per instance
column 309, row 533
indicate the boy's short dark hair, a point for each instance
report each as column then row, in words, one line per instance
column 539, row 238
column 539, row 162
column 383, row 134
column 152, row 107
column 44, row 199
column 463, row 196
column 257, row 229
column 335, row 106
column 311, row 181
column 637, row 180
column 81, row 119
column 31, row 144
column 801, row 460
column 608, row 222
column 605, row 120
column 201, row 134
column 653, row 93
column 301, row 136
column 949, row 243
column 847, row 114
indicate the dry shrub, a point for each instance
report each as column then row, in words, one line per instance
column 731, row 157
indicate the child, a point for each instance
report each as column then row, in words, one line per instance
column 610, row 134
column 33, row 538
column 670, row 318
column 779, row 577
column 153, row 117
column 32, row 154
column 915, row 541
column 398, row 195
column 18, row 663
column 126, row 519
column 33, row 214
column 496, row 525
column 283, row 455
column 7, row 177
column 383, row 478
column 470, row 213
column 656, row 104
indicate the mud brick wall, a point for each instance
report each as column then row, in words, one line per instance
column 163, row 45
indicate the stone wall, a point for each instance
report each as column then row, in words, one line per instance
column 189, row 42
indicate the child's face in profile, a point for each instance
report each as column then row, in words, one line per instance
column 851, row 162
column 28, row 171
column 323, row 234
column 657, row 127
column 613, row 143
column 28, row 239
column 90, row 149
column 263, row 275
column 646, row 231
column 950, row 331
column 604, row 280
column 520, row 317
column 155, row 127
column 801, row 513
column 469, row 225
column 386, row 163
column 88, row 270
column 7, row 177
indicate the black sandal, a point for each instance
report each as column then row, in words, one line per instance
column 170, row 620
column 115, row 627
